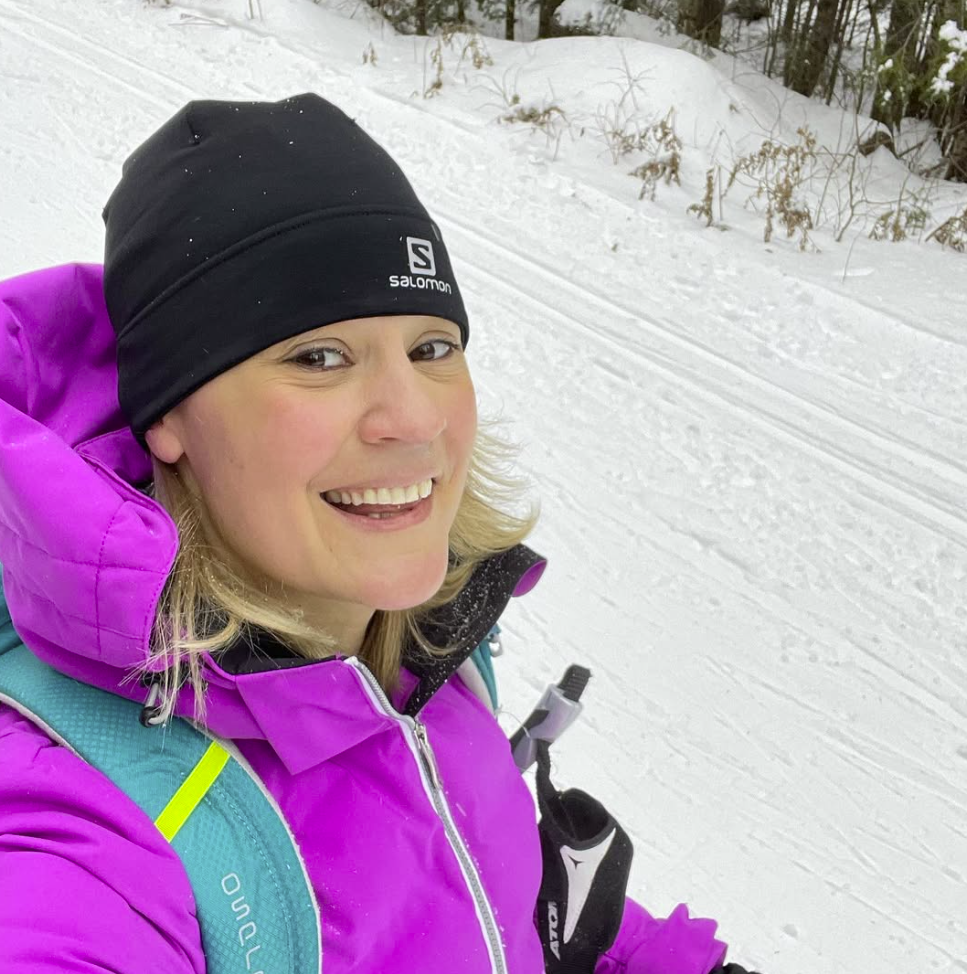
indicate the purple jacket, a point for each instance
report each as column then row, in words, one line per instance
column 88, row 883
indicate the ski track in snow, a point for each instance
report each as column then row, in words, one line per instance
column 752, row 483
column 692, row 365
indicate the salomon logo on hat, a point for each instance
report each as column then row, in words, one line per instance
column 419, row 253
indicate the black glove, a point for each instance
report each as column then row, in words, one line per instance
column 587, row 858
column 732, row 969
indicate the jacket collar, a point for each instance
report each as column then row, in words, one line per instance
column 460, row 625
column 309, row 711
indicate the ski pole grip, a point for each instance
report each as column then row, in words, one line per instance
column 574, row 681
column 559, row 707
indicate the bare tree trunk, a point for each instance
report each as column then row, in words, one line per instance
column 701, row 19
column 933, row 11
column 772, row 43
column 856, row 19
column 545, row 22
column 510, row 14
column 846, row 8
column 797, row 38
column 772, row 40
column 810, row 60
column 789, row 21
column 957, row 152
column 421, row 17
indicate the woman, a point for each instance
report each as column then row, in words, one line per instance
column 249, row 471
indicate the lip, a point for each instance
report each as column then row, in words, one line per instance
column 398, row 481
column 417, row 514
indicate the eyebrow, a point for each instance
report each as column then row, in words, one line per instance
column 319, row 333
column 312, row 334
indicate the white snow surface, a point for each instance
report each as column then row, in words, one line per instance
column 752, row 463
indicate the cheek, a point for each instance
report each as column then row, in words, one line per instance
column 293, row 441
column 462, row 424
column 269, row 450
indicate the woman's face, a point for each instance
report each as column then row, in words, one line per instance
column 360, row 405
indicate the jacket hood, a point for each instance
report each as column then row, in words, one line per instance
column 85, row 552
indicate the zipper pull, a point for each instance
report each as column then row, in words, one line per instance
column 426, row 753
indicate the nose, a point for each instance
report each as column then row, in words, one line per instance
column 402, row 403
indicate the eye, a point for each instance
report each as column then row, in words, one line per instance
column 436, row 348
column 321, row 358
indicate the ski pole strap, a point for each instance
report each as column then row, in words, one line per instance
column 586, row 859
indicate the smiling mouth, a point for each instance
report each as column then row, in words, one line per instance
column 380, row 503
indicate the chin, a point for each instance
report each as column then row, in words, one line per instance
column 406, row 586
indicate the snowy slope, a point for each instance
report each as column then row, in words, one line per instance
column 752, row 463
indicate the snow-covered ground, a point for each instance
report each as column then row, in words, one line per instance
column 752, row 462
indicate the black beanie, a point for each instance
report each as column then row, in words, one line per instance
column 240, row 224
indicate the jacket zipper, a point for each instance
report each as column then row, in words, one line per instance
column 416, row 736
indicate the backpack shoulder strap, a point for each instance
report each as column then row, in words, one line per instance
column 477, row 671
column 254, row 900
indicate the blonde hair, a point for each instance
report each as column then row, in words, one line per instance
column 208, row 603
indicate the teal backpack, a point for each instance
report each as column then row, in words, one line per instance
column 228, row 831
column 236, row 848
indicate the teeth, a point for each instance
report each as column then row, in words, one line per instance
column 382, row 495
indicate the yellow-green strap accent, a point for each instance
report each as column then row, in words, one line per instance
column 193, row 789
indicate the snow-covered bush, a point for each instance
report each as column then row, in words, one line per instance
column 589, row 17
column 952, row 60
